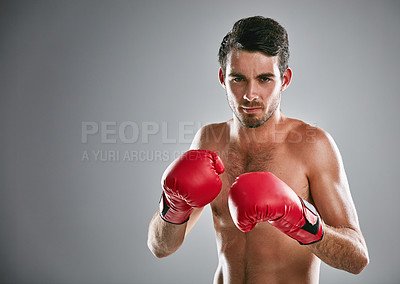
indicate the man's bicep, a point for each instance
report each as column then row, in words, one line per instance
column 329, row 186
column 202, row 140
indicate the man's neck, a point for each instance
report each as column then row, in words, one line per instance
column 266, row 133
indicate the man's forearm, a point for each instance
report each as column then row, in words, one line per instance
column 342, row 248
column 164, row 238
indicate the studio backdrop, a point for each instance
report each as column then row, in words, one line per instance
column 98, row 97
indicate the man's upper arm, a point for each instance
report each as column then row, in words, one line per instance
column 199, row 142
column 328, row 183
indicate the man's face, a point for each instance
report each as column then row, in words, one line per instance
column 253, row 86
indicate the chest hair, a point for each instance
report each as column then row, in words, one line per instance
column 255, row 159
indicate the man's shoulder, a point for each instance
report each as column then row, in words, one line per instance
column 306, row 134
column 315, row 144
column 218, row 126
column 211, row 136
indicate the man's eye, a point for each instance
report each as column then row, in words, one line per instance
column 265, row 79
column 237, row 79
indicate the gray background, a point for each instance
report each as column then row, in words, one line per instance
column 68, row 220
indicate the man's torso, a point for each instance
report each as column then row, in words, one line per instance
column 264, row 255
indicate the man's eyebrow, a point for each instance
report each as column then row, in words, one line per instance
column 269, row 75
column 266, row 75
column 234, row 74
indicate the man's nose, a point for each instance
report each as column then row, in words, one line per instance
column 252, row 91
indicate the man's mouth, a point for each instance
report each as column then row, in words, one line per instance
column 251, row 109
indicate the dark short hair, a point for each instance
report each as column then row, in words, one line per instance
column 257, row 34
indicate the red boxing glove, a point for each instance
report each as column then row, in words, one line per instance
column 261, row 196
column 191, row 181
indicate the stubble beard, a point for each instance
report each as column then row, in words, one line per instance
column 252, row 122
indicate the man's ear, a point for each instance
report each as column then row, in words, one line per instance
column 221, row 78
column 287, row 78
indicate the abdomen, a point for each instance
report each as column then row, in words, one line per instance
column 264, row 255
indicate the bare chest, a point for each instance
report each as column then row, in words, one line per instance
column 278, row 159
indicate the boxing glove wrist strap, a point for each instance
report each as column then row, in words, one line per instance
column 312, row 225
column 309, row 231
column 172, row 215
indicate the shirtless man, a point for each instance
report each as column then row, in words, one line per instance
column 262, row 173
